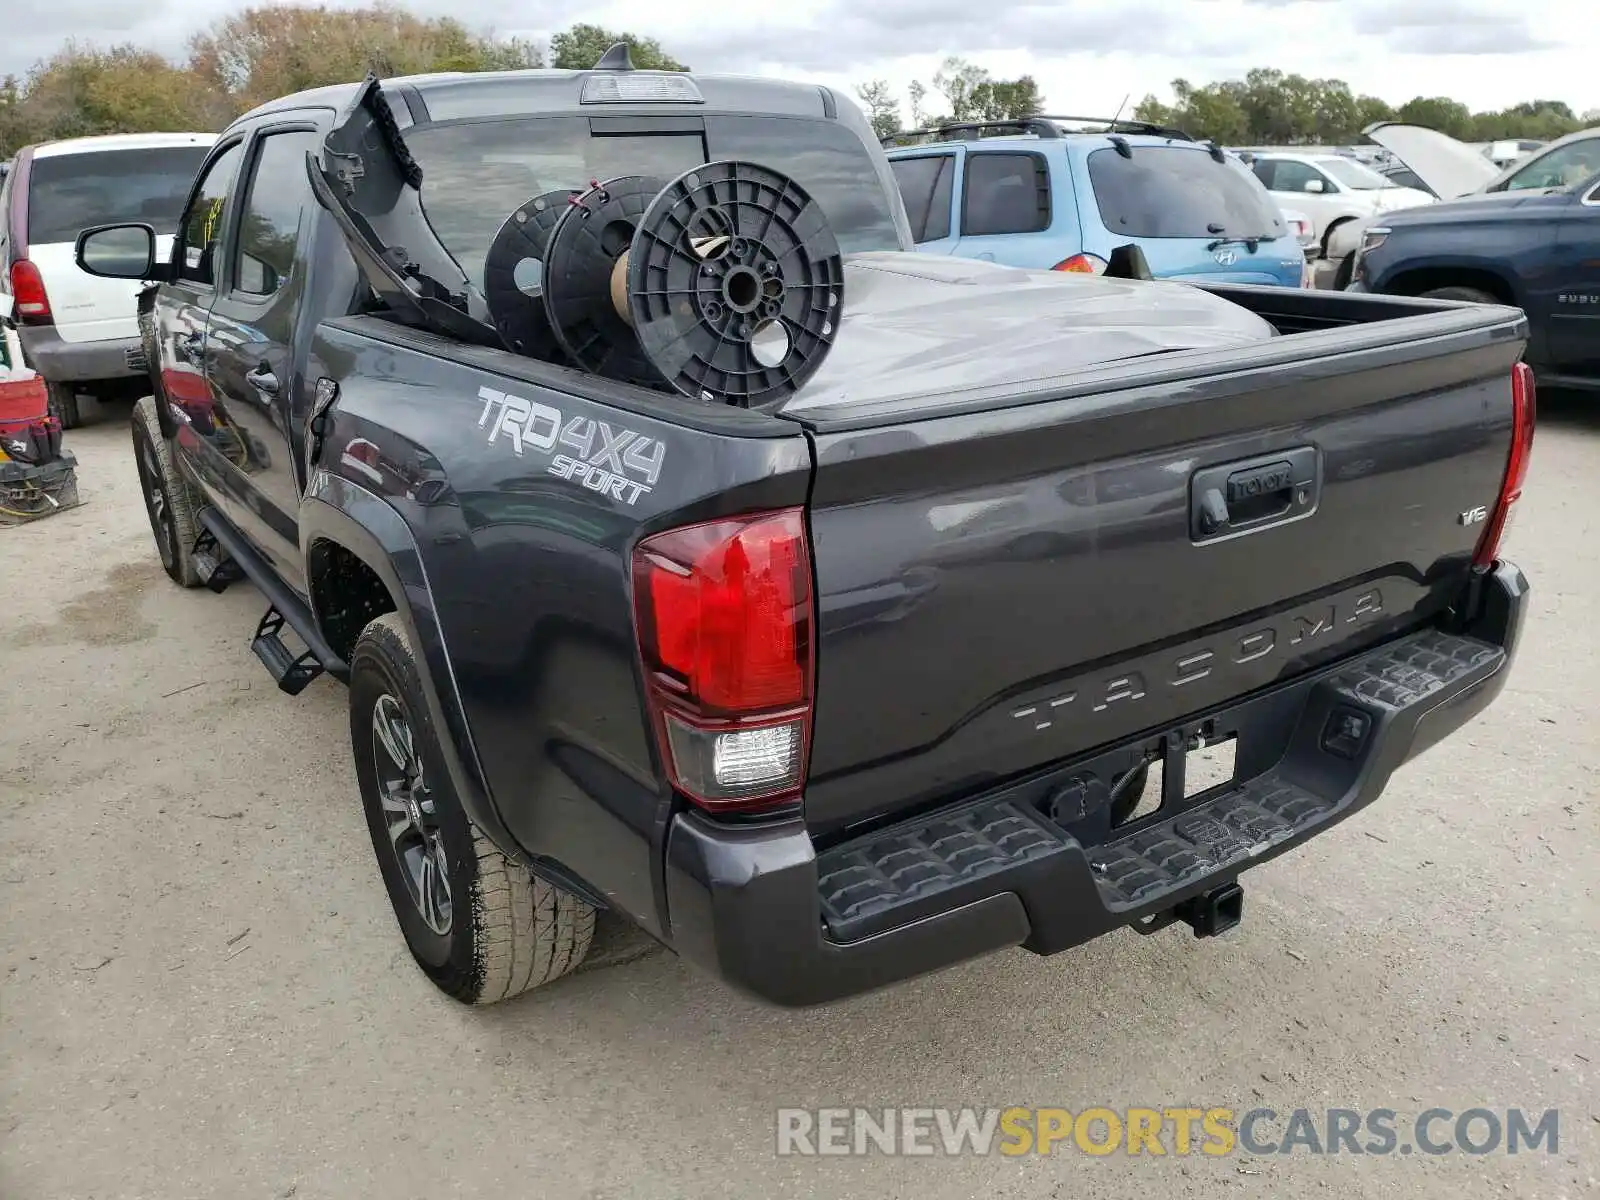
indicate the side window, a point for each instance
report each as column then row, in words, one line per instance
column 1005, row 193
column 1266, row 171
column 924, row 183
column 201, row 232
column 1291, row 176
column 1560, row 168
column 274, row 205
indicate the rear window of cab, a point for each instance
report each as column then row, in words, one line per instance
column 476, row 173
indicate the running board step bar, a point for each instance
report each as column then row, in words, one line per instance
column 290, row 670
column 212, row 564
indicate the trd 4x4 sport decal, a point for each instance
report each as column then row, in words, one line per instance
column 619, row 463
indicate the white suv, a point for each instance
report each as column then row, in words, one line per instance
column 1330, row 188
column 78, row 331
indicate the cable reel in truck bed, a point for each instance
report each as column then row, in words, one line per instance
column 724, row 284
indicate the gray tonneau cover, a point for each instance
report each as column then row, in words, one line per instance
column 928, row 326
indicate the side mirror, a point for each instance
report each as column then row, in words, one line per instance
column 1314, row 185
column 118, row 251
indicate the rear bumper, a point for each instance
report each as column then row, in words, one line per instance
column 761, row 908
column 61, row 361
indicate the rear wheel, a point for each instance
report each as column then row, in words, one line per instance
column 168, row 500
column 71, row 407
column 478, row 924
column 64, row 404
column 1474, row 295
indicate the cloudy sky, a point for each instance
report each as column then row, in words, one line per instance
column 1086, row 54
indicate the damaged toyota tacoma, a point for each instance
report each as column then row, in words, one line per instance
column 694, row 549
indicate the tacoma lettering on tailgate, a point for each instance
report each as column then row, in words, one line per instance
column 1190, row 664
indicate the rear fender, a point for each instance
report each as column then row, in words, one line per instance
column 337, row 510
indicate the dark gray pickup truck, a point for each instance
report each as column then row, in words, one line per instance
column 994, row 608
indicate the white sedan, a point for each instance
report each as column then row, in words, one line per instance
column 1330, row 188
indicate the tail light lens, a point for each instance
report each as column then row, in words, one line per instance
column 1523, row 418
column 725, row 621
column 1082, row 264
column 28, row 294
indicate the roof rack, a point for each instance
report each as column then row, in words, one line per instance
column 1042, row 125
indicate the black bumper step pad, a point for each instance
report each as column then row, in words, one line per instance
column 983, row 847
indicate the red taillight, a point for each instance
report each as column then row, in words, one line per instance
column 725, row 620
column 1082, row 264
column 1523, row 417
column 32, row 305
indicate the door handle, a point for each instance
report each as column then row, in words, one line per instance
column 263, row 380
column 986, row 256
column 1254, row 493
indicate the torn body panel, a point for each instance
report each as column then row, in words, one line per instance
column 370, row 184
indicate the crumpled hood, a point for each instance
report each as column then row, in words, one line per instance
column 924, row 325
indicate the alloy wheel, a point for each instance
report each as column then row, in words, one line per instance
column 410, row 814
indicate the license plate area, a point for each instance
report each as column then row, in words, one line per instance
column 1155, row 779
column 1180, row 769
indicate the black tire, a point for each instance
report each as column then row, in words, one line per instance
column 496, row 930
column 169, row 502
column 64, row 404
column 71, row 408
column 1474, row 295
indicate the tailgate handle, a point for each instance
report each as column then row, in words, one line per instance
column 1256, row 493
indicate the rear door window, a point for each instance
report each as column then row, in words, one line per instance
column 269, row 226
column 1179, row 192
column 925, row 183
column 1005, row 193
column 68, row 193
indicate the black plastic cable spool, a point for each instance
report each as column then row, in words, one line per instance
column 735, row 284
column 583, row 252
column 517, row 309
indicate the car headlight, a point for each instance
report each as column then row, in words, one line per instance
column 1372, row 239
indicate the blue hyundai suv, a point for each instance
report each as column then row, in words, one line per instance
column 1038, row 195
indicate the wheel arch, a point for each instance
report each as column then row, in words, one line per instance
column 1329, row 229
column 1414, row 281
column 360, row 557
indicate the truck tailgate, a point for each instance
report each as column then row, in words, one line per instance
column 1000, row 590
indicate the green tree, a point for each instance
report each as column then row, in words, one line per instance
column 514, row 54
column 263, row 53
column 579, row 48
column 959, row 82
column 883, row 109
column 1007, row 99
column 1440, row 112
column 917, row 94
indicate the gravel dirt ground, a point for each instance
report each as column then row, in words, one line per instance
column 202, row 992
